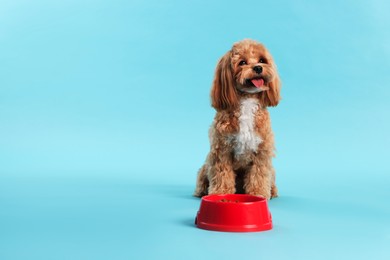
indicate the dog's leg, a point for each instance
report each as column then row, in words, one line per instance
column 221, row 175
column 202, row 183
column 258, row 180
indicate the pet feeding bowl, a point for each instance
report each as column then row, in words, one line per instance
column 234, row 213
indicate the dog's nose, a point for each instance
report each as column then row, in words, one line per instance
column 258, row 69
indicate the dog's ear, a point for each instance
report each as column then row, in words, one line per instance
column 271, row 97
column 223, row 92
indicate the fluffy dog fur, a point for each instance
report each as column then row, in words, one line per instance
column 241, row 139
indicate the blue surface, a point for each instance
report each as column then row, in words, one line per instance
column 104, row 113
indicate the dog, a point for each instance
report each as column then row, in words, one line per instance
column 246, row 82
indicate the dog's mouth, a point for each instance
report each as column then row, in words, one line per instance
column 257, row 82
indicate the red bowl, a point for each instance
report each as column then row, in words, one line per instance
column 234, row 213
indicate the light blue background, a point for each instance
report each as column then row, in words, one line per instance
column 104, row 113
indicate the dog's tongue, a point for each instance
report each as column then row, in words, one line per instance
column 258, row 82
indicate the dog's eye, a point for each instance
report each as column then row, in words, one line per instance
column 262, row 60
column 242, row 63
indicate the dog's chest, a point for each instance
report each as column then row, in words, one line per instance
column 247, row 139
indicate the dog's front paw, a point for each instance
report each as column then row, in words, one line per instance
column 264, row 194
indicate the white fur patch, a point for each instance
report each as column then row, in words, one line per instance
column 247, row 139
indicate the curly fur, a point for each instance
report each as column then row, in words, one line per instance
column 241, row 139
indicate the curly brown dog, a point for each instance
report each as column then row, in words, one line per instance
column 242, row 144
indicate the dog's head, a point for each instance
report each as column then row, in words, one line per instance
column 248, row 68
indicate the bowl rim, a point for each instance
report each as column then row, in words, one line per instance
column 216, row 198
